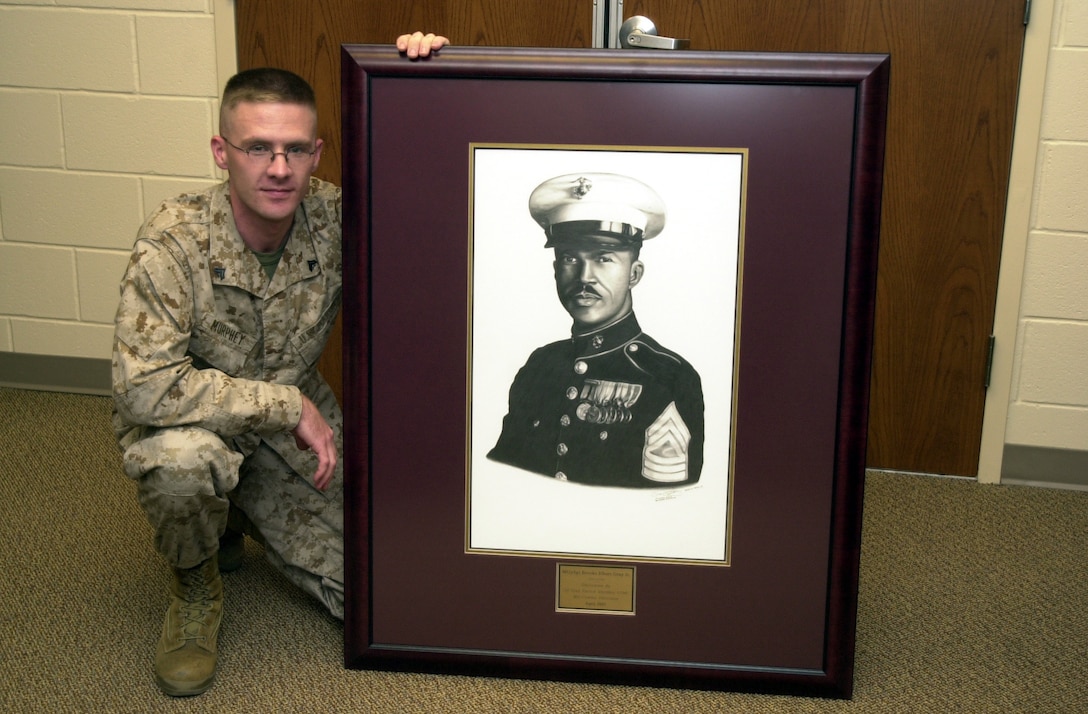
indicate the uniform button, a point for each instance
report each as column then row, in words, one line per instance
column 633, row 348
column 572, row 392
column 561, row 449
column 564, row 420
column 560, row 476
column 536, row 423
column 580, row 367
column 604, row 436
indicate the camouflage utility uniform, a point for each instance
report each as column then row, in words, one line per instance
column 210, row 360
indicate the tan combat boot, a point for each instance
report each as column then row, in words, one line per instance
column 185, row 657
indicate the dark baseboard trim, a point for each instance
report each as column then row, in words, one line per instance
column 1042, row 466
column 50, row 373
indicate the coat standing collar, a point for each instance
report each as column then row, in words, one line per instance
column 607, row 338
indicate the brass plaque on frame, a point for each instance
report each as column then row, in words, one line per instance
column 595, row 588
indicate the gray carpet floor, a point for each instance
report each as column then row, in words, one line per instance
column 973, row 598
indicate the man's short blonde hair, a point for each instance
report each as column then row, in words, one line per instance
column 265, row 84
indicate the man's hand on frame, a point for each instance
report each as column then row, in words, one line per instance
column 419, row 44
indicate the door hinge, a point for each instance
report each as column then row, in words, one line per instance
column 989, row 361
column 1027, row 12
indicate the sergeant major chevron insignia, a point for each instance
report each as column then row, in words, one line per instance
column 665, row 453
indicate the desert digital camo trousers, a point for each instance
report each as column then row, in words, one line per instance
column 188, row 478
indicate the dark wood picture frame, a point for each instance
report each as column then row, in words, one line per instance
column 781, row 616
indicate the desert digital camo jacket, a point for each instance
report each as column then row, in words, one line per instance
column 204, row 338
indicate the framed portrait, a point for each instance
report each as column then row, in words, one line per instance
column 689, row 268
column 607, row 334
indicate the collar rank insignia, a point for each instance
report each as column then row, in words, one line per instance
column 220, row 273
column 311, row 264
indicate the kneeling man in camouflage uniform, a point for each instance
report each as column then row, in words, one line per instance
column 224, row 421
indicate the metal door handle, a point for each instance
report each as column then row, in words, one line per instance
column 640, row 32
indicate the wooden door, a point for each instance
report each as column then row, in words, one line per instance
column 955, row 68
column 954, row 73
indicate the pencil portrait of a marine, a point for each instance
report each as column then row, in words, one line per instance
column 606, row 405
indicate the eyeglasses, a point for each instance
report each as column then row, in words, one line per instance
column 259, row 152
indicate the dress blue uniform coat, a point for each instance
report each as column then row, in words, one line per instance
column 608, row 408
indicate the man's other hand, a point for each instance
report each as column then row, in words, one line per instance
column 314, row 433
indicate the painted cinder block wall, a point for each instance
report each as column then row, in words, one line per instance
column 1049, row 398
column 106, row 107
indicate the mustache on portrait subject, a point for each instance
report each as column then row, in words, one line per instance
column 579, row 289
